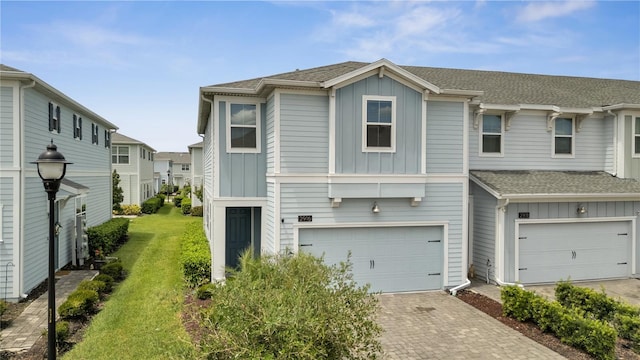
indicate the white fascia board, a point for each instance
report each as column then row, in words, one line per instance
column 57, row 94
column 504, row 107
column 523, row 198
column 621, row 106
column 461, row 92
column 391, row 67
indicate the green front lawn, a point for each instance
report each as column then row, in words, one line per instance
column 141, row 319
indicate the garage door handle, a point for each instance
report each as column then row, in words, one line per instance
column 522, row 237
column 434, row 241
column 623, row 234
column 623, row 263
column 432, row 274
column 372, row 264
column 306, row 244
column 522, row 268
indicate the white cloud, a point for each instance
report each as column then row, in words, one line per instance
column 537, row 11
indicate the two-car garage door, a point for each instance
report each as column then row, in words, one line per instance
column 391, row 259
column 577, row 250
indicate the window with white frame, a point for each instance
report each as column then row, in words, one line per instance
column 94, row 134
column 77, row 127
column 120, row 154
column 636, row 136
column 378, row 123
column 491, row 135
column 107, row 138
column 243, row 127
column 185, row 167
column 563, row 131
column 54, row 117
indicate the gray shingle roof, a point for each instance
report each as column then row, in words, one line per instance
column 117, row 138
column 499, row 87
column 175, row 157
column 541, row 182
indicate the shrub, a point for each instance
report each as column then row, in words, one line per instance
column 131, row 209
column 96, row 285
column 162, row 197
column 62, row 332
column 79, row 304
column 205, row 291
column 106, row 237
column 107, row 280
column 627, row 326
column 186, row 206
column 151, row 205
column 196, row 211
column 597, row 304
column 291, row 307
column 195, row 255
column 177, row 200
column 516, row 303
column 3, row 307
column 113, row 269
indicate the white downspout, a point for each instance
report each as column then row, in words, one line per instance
column 615, row 142
column 501, row 208
column 454, row 291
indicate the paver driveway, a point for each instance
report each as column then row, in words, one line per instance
column 434, row 325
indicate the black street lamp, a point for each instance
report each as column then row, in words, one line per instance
column 51, row 168
column 169, row 191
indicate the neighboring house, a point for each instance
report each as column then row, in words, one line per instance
column 133, row 160
column 422, row 172
column 180, row 165
column 161, row 172
column 32, row 114
column 195, row 151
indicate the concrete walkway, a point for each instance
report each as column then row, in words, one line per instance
column 435, row 325
column 25, row 330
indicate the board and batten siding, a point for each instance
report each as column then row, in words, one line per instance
column 528, row 145
column 6, row 126
column 304, row 134
column 8, row 244
column 350, row 159
column 442, row 203
column 631, row 163
column 484, row 232
column 271, row 224
column 242, row 174
column 563, row 210
column 445, row 125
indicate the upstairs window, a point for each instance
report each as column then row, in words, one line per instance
column 120, row 155
column 77, row 127
column 491, row 135
column 107, row 138
column 243, row 128
column 185, row 167
column 563, row 131
column 94, row 134
column 54, row 117
column 378, row 123
column 636, row 136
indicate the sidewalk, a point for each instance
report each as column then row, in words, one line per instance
column 29, row 326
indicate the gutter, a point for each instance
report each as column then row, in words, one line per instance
column 454, row 291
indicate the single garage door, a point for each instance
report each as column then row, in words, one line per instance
column 391, row 259
column 579, row 251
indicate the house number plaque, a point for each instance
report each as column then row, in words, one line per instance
column 523, row 215
column 305, row 218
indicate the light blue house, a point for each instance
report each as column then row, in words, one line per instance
column 133, row 161
column 195, row 153
column 32, row 114
column 363, row 158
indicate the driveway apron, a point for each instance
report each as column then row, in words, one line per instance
column 434, row 325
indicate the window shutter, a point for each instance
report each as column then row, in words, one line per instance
column 58, row 117
column 50, row 116
column 80, row 128
column 93, row 133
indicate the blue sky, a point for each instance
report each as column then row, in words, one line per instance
column 139, row 64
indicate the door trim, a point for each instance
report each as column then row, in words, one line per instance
column 518, row 222
column 399, row 224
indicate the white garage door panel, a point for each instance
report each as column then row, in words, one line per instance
column 391, row 259
column 579, row 251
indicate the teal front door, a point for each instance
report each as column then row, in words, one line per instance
column 238, row 237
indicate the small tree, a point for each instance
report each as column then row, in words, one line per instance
column 118, row 194
column 198, row 192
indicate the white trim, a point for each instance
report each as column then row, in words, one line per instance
column 464, row 237
column 1, row 217
column 365, row 178
column 258, row 126
column 518, row 222
column 378, row 149
column 445, row 235
column 332, row 131
column 619, row 145
column 635, row 153
column 465, row 137
column 572, row 137
column 17, row 124
column 216, row 153
column 277, row 227
column 276, row 132
column 423, row 134
column 481, row 134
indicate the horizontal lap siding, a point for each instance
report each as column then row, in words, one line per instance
column 9, row 244
column 484, row 233
column 443, row 202
column 528, row 145
column 304, row 134
column 270, row 134
column 559, row 210
column 349, row 155
column 35, row 233
column 445, row 137
column 6, row 126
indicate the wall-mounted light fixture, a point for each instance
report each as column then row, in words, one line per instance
column 581, row 210
column 375, row 209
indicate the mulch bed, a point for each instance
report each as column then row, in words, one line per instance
column 530, row 330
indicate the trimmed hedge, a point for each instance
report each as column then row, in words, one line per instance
column 186, row 206
column 151, row 206
column 177, row 200
column 108, row 236
column 96, row 285
column 107, row 280
column 205, row 291
column 113, row 269
column 132, row 209
column 196, row 211
column 62, row 332
column 79, row 304
column 195, row 256
column 571, row 325
column 162, row 198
